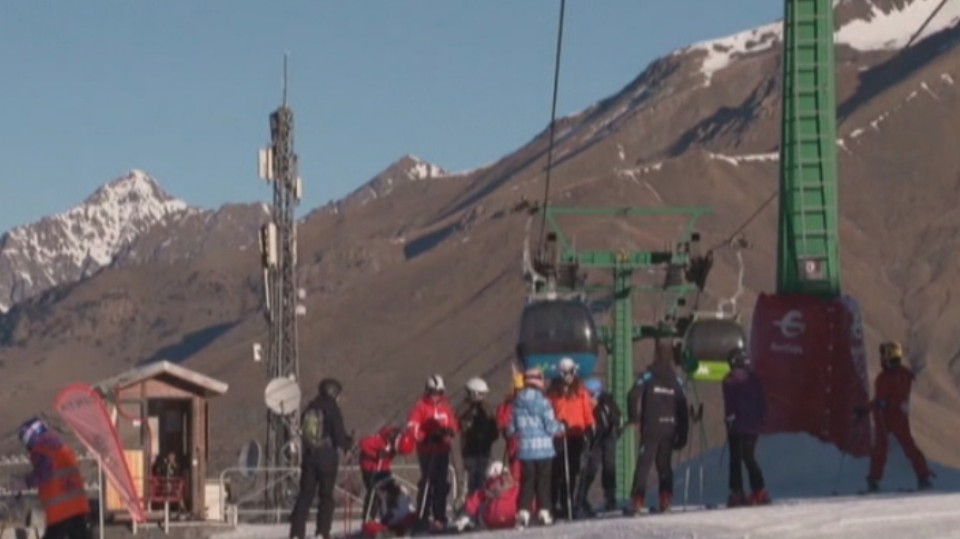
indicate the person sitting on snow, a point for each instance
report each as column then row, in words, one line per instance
column 495, row 505
column 397, row 512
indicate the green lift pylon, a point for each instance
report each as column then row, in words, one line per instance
column 808, row 259
column 619, row 337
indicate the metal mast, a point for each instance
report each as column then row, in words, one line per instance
column 279, row 166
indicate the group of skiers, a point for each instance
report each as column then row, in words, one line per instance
column 550, row 428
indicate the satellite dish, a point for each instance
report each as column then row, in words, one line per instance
column 282, row 396
column 249, row 459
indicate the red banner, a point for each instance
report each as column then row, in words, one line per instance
column 809, row 353
column 84, row 411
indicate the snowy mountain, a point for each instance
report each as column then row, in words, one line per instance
column 408, row 168
column 74, row 244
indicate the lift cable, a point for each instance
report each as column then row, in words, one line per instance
column 553, row 122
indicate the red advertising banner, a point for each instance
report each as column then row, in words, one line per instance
column 82, row 408
column 809, row 353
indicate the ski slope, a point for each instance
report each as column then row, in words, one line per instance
column 801, row 474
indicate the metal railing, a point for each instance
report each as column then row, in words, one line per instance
column 249, row 506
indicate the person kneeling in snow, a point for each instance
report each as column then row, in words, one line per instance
column 377, row 452
column 397, row 512
column 495, row 505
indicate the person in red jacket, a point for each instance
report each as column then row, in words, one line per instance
column 890, row 407
column 377, row 452
column 494, row 506
column 433, row 424
column 573, row 407
column 504, row 412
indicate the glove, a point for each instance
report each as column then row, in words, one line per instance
column 679, row 441
column 730, row 419
column 860, row 412
column 880, row 404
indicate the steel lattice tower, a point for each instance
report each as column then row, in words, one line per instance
column 279, row 166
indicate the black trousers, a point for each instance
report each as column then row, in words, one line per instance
column 601, row 456
column 72, row 528
column 476, row 469
column 572, row 453
column 434, row 484
column 743, row 449
column 655, row 447
column 317, row 478
column 535, row 484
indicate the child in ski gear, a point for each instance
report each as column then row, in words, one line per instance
column 433, row 424
column 504, row 414
column 744, row 408
column 377, row 452
column 573, row 407
column 495, row 505
column 478, row 432
column 397, row 512
column 890, row 407
column 533, row 421
column 658, row 407
column 57, row 479
column 321, row 461
column 602, row 449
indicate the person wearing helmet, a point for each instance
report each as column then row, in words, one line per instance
column 494, row 506
column 322, row 440
column 504, row 412
column 533, row 421
column 890, row 407
column 478, row 432
column 56, row 476
column 574, row 408
column 657, row 405
column 601, row 451
column 433, row 424
column 744, row 408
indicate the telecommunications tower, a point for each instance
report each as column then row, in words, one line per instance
column 278, row 247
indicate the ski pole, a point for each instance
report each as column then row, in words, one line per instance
column 566, row 476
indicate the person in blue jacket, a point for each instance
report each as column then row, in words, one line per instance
column 535, row 425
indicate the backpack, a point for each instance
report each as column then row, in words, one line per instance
column 311, row 429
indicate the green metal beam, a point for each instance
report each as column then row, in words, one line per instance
column 808, row 260
column 620, row 377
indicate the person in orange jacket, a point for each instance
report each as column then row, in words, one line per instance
column 504, row 415
column 57, row 479
column 573, row 407
column 433, row 424
column 890, row 416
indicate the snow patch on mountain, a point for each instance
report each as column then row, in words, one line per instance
column 721, row 52
column 894, row 29
column 74, row 244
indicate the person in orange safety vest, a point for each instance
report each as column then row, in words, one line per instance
column 57, row 479
column 891, row 416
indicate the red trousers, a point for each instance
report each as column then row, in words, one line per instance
column 896, row 423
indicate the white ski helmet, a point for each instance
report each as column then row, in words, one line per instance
column 435, row 383
column 476, row 387
column 567, row 365
column 495, row 469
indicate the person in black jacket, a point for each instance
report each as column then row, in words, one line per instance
column 601, row 450
column 658, row 407
column 320, row 463
column 478, row 433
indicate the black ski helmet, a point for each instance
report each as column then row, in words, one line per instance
column 330, row 387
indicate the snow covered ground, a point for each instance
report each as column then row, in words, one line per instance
column 801, row 474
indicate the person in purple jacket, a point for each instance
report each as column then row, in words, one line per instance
column 744, row 408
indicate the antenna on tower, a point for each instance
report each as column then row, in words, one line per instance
column 285, row 55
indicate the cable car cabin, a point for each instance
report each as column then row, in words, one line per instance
column 706, row 345
column 553, row 329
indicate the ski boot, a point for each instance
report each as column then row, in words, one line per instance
column 759, row 497
column 463, row 524
column 610, row 504
column 736, row 499
column 872, row 486
column 523, row 519
column 635, row 506
column 923, row 483
column 665, row 499
column 545, row 518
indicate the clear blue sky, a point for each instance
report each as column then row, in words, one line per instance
column 183, row 88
